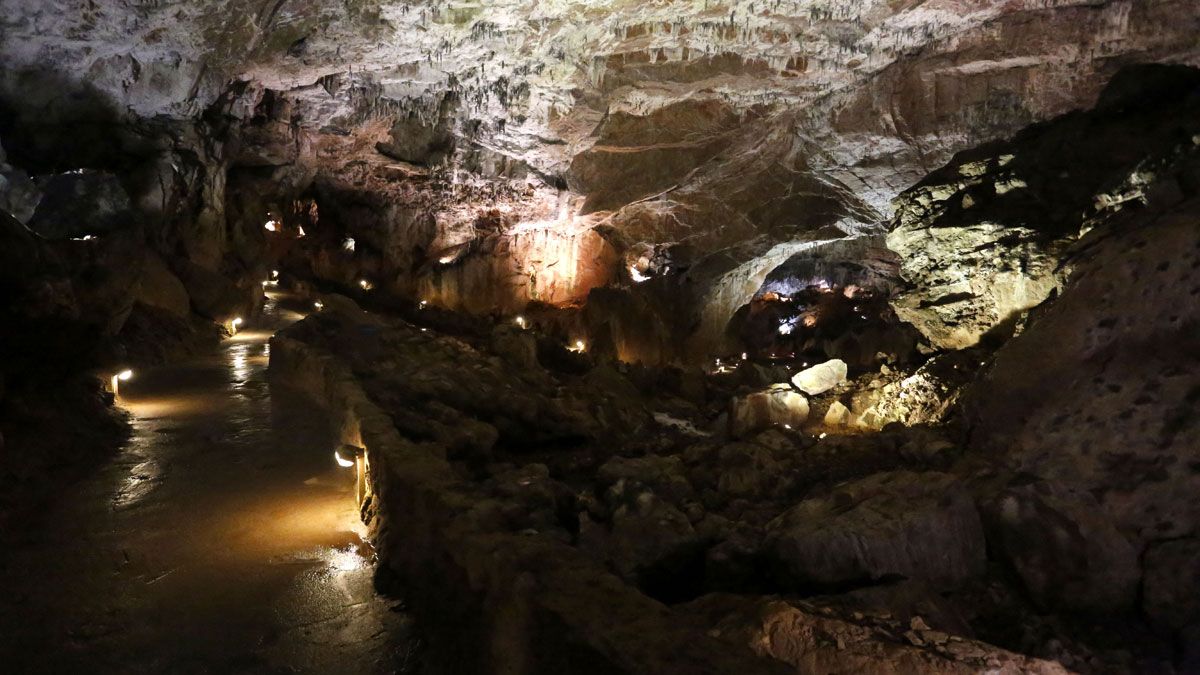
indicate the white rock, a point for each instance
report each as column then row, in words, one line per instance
column 837, row 415
column 821, row 378
column 778, row 405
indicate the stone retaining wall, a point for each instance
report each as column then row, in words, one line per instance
column 493, row 601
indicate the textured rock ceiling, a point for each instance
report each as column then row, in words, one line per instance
column 745, row 131
column 925, row 76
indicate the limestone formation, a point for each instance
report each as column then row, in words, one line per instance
column 778, row 405
column 821, row 377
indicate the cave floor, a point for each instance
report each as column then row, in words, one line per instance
column 221, row 538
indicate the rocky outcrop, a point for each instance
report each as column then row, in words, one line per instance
column 516, row 600
column 1117, row 353
column 986, row 237
column 1066, row 551
column 82, row 204
column 928, row 394
column 214, row 295
column 814, row 639
column 159, row 287
column 920, row 526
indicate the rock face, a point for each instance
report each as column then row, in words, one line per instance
column 984, row 238
column 1068, row 553
column 920, row 526
column 159, row 287
column 1117, row 353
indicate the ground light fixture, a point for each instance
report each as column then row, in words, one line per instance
column 117, row 379
column 352, row 456
column 271, row 226
column 365, row 284
column 318, row 305
column 520, row 321
column 235, row 325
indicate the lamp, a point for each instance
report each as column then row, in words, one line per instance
column 116, row 380
column 353, row 456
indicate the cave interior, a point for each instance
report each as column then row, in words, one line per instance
column 597, row 336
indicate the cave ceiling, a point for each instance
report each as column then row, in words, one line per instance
column 740, row 131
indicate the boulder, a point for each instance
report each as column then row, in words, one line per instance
column 1066, row 552
column 747, row 470
column 821, row 377
column 665, row 475
column 213, row 295
column 920, row 526
column 104, row 274
column 159, row 287
column 837, row 415
column 646, row 533
column 778, row 405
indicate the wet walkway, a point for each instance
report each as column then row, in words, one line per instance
column 222, row 539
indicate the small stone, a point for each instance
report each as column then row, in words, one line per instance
column 837, row 415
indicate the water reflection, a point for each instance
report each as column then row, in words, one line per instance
column 224, row 520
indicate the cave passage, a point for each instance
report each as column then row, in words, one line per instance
column 221, row 538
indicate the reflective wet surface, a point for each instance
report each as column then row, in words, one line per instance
column 222, row 538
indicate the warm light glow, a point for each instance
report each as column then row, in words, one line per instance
column 342, row 462
column 318, row 305
column 810, row 321
column 301, row 231
column 271, row 226
column 636, row 274
column 423, row 304
column 348, row 244
column 115, row 383
column 236, row 322
column 744, row 356
column 520, row 320
column 274, row 274
column 579, row 346
column 446, row 259
column 366, row 285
